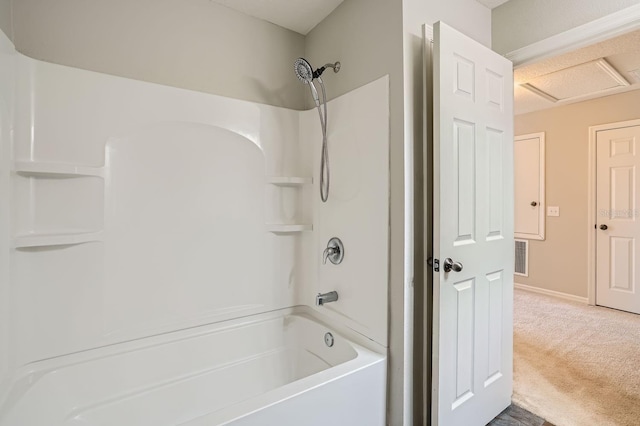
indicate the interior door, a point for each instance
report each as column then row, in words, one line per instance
column 618, row 227
column 473, row 228
column 529, row 184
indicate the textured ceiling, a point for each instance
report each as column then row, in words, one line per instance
column 299, row 15
column 492, row 3
column 577, row 76
column 580, row 80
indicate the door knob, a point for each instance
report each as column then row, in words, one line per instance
column 604, row 227
column 534, row 203
column 451, row 265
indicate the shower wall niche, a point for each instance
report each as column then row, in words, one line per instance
column 137, row 209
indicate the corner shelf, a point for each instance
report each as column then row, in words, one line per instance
column 56, row 239
column 55, row 170
column 290, row 181
column 288, row 229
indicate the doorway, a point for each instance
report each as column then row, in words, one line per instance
column 562, row 97
column 567, row 365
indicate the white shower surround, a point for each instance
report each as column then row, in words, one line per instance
column 130, row 168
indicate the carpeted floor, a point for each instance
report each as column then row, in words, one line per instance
column 576, row 365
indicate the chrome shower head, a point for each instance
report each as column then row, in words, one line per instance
column 303, row 70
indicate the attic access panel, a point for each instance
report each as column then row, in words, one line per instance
column 580, row 80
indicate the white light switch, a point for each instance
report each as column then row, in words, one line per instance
column 553, row 211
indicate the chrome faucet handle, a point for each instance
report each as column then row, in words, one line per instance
column 329, row 251
column 334, row 251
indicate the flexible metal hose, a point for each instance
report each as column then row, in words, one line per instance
column 325, row 175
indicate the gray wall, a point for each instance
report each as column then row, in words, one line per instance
column 372, row 38
column 193, row 44
column 519, row 23
column 5, row 18
column 366, row 37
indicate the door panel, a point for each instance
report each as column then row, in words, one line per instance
column 529, row 186
column 464, row 181
column 495, row 145
column 617, row 212
column 473, row 224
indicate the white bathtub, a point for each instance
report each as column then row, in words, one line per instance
column 262, row 370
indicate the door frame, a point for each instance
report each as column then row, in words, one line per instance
column 591, row 203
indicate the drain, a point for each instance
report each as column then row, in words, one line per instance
column 328, row 339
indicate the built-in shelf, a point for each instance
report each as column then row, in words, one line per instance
column 43, row 169
column 288, row 229
column 56, row 239
column 290, row 180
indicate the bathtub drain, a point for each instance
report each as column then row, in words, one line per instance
column 328, row 339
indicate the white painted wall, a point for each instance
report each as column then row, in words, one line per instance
column 519, row 23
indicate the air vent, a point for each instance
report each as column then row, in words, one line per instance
column 522, row 258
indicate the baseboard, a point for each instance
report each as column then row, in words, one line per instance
column 553, row 293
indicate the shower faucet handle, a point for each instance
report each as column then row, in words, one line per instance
column 329, row 251
column 334, row 251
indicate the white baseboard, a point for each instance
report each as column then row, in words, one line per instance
column 553, row 293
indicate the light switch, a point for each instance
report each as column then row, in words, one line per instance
column 553, row 211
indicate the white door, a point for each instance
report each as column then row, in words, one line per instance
column 618, row 227
column 528, row 161
column 473, row 226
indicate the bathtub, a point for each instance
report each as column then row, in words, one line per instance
column 275, row 368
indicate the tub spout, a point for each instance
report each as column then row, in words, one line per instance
column 321, row 299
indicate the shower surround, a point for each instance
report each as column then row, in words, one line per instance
column 141, row 215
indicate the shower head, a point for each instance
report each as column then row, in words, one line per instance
column 303, row 70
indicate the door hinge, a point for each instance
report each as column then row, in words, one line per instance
column 434, row 263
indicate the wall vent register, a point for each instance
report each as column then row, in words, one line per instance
column 522, row 258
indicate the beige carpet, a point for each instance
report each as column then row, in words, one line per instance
column 576, row 364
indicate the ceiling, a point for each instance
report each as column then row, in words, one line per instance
column 491, row 4
column 300, row 16
column 602, row 69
